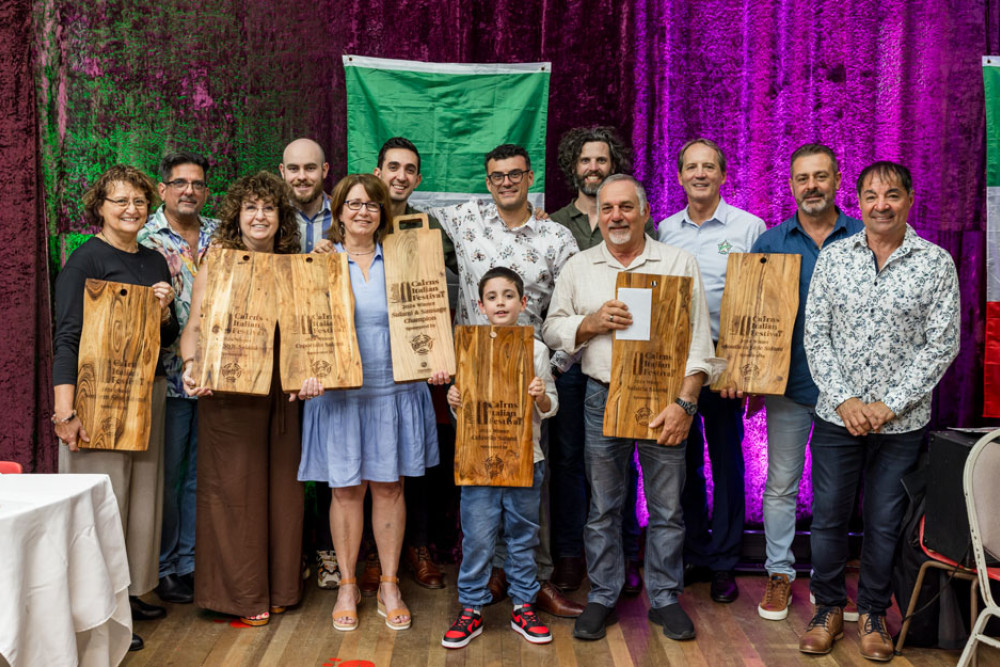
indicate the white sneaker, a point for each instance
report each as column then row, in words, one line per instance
column 327, row 570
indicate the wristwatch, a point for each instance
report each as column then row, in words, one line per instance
column 688, row 407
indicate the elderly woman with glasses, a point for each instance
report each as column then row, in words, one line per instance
column 368, row 439
column 118, row 203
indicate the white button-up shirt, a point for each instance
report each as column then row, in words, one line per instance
column 882, row 335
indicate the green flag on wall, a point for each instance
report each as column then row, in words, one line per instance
column 453, row 113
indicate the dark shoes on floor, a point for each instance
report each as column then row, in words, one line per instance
column 551, row 601
column 143, row 611
column 425, row 571
column 497, row 585
column 369, row 580
column 569, row 573
column 675, row 622
column 724, row 588
column 633, row 578
column 695, row 574
column 137, row 643
column 592, row 622
column 175, row 590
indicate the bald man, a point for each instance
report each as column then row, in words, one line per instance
column 303, row 166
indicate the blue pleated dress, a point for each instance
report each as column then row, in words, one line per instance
column 382, row 430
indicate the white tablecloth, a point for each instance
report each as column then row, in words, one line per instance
column 63, row 572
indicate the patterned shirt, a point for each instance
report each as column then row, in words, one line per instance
column 536, row 250
column 882, row 335
column 313, row 229
column 183, row 264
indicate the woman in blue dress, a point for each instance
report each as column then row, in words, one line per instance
column 368, row 438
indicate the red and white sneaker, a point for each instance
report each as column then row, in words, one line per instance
column 525, row 621
column 468, row 626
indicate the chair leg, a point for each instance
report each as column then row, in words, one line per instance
column 913, row 605
column 969, row 653
column 974, row 608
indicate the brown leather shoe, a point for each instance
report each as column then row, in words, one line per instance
column 497, row 585
column 425, row 572
column 369, row 580
column 568, row 573
column 876, row 644
column 826, row 627
column 551, row 601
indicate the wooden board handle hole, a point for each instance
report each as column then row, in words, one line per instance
column 123, row 291
column 763, row 260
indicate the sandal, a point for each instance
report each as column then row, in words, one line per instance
column 256, row 620
column 277, row 609
column 403, row 610
column 351, row 615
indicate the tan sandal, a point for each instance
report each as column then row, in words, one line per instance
column 348, row 614
column 389, row 615
column 257, row 620
column 278, row 609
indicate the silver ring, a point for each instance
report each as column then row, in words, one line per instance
column 611, row 318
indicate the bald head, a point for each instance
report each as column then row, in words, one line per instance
column 303, row 166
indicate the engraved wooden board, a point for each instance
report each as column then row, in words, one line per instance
column 493, row 438
column 238, row 314
column 316, row 318
column 646, row 375
column 759, row 305
column 417, row 294
column 119, row 344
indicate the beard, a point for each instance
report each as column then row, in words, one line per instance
column 817, row 208
column 619, row 236
column 589, row 189
column 308, row 197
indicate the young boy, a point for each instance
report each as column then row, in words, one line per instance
column 485, row 508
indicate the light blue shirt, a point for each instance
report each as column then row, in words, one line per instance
column 728, row 230
column 311, row 230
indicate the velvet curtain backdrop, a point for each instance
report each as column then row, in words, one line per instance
column 122, row 81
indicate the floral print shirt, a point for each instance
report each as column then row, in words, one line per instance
column 882, row 335
column 537, row 251
column 183, row 264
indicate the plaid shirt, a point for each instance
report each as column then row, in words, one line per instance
column 313, row 229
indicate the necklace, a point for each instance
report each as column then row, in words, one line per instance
column 359, row 254
column 104, row 238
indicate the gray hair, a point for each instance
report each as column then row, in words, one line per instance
column 640, row 192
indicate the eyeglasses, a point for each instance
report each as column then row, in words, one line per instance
column 515, row 176
column 268, row 209
column 181, row 185
column 123, row 203
column 371, row 206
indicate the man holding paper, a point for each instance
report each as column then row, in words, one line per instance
column 584, row 315
column 711, row 229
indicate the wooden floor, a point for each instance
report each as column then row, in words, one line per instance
column 727, row 635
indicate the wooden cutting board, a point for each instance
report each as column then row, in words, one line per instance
column 119, row 345
column 238, row 314
column 646, row 375
column 417, row 294
column 316, row 320
column 493, row 445
column 759, row 305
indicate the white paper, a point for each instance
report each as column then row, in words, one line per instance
column 640, row 305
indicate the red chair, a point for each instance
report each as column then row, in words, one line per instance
column 10, row 468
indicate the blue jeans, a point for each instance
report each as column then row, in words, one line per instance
column 607, row 462
column 484, row 510
column 719, row 422
column 180, row 464
column 568, row 481
column 788, row 427
column 839, row 462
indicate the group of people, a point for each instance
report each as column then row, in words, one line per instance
column 876, row 328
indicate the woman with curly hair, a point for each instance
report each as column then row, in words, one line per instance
column 119, row 203
column 368, row 439
column 250, row 504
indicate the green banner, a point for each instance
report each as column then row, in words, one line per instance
column 453, row 113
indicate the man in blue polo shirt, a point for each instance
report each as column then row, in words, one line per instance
column 710, row 229
column 815, row 179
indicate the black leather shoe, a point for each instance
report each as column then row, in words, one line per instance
column 143, row 611
column 694, row 574
column 568, row 573
column 188, row 579
column 724, row 588
column 675, row 622
column 173, row 589
column 137, row 644
column 633, row 578
column 593, row 620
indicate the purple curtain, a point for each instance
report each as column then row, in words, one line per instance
column 121, row 81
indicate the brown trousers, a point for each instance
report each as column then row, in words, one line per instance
column 248, row 553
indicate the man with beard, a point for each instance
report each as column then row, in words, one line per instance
column 506, row 232
column 178, row 231
column 710, row 229
column 303, row 166
column 817, row 222
column 587, row 156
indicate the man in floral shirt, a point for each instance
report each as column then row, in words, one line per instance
column 178, row 231
column 882, row 326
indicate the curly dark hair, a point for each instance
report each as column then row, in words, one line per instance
column 571, row 145
column 94, row 198
column 376, row 190
column 270, row 188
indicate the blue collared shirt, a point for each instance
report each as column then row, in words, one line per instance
column 728, row 230
column 790, row 239
column 311, row 230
